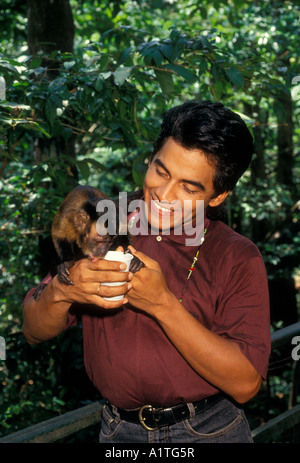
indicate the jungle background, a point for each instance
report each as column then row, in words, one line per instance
column 83, row 87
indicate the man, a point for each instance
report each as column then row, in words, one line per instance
column 191, row 343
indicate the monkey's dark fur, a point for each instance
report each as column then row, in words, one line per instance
column 75, row 236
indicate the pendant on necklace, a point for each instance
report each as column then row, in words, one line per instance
column 192, row 267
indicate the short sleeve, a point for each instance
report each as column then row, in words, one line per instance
column 243, row 311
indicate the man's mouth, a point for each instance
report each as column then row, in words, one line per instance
column 161, row 208
column 165, row 207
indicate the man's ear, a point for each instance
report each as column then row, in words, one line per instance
column 217, row 200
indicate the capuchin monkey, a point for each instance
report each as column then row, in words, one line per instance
column 75, row 236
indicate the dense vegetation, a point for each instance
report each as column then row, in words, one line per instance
column 83, row 88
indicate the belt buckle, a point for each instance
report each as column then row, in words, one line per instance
column 142, row 420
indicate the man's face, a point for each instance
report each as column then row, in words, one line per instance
column 174, row 176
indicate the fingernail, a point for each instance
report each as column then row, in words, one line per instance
column 129, row 286
column 123, row 267
column 130, row 276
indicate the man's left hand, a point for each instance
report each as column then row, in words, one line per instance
column 149, row 290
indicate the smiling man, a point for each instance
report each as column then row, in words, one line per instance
column 165, row 184
column 175, row 200
column 190, row 343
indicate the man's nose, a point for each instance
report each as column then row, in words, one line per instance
column 166, row 192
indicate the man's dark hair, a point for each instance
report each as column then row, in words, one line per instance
column 217, row 131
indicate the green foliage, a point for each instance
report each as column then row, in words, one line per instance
column 39, row 382
column 93, row 117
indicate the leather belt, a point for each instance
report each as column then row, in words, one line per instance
column 152, row 418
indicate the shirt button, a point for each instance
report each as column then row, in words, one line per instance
column 158, row 238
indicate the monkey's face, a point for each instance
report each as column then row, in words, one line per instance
column 95, row 245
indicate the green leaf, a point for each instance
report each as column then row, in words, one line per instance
column 96, row 164
column 103, row 62
column 183, row 72
column 218, row 88
column 165, row 80
column 203, row 12
column 238, row 3
column 50, row 110
column 121, row 74
column 69, row 64
column 235, row 76
column 32, row 125
column 83, row 168
column 167, row 50
column 35, row 62
column 57, row 84
column 36, row 126
column 122, row 108
column 151, row 53
column 246, row 119
column 5, row 65
column 13, row 105
column 99, row 84
column 178, row 47
column 156, row 56
column 124, row 55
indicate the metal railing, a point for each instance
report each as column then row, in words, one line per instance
column 69, row 423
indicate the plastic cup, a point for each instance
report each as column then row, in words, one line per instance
column 117, row 257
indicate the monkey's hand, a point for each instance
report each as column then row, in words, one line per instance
column 63, row 273
column 38, row 292
column 136, row 264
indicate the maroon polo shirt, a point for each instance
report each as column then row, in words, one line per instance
column 127, row 355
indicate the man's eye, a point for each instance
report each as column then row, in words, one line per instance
column 159, row 172
column 189, row 191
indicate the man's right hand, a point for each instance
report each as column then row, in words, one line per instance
column 46, row 317
column 88, row 277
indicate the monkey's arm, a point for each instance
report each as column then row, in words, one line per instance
column 68, row 253
column 63, row 272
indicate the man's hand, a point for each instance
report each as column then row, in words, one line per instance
column 88, row 277
column 149, row 290
column 46, row 317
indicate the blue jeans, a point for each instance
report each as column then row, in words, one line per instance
column 224, row 422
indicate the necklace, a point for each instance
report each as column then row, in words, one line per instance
column 192, row 267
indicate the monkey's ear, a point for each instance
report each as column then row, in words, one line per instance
column 81, row 221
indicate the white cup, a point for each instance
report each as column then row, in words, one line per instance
column 117, row 257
